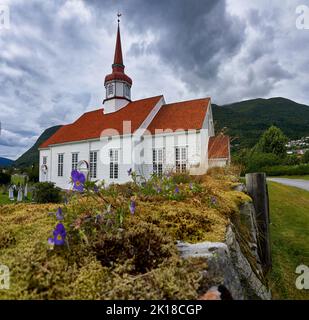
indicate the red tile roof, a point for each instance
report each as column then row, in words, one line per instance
column 219, row 147
column 184, row 115
column 91, row 124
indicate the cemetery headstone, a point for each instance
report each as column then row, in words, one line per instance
column 26, row 191
column 11, row 193
column 20, row 195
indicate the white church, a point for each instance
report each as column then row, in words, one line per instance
column 148, row 136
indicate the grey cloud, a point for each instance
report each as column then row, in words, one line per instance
column 52, row 67
column 194, row 36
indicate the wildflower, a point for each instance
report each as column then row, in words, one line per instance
column 59, row 235
column 132, row 206
column 159, row 190
column 129, row 171
column 96, row 189
column 78, row 179
column 191, row 186
column 176, row 190
column 51, row 243
column 59, row 214
column 213, row 200
column 98, row 218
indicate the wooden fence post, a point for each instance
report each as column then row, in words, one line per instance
column 257, row 189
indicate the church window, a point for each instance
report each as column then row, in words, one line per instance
column 127, row 90
column 181, row 159
column 44, row 160
column 113, row 163
column 60, row 165
column 157, row 161
column 74, row 161
column 93, row 164
column 110, row 89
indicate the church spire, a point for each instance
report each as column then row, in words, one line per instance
column 118, row 51
column 117, row 84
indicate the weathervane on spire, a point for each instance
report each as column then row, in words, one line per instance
column 118, row 15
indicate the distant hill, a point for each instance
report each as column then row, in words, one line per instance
column 32, row 155
column 4, row 162
column 245, row 121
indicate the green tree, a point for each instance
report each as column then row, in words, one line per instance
column 306, row 157
column 273, row 141
column 5, row 178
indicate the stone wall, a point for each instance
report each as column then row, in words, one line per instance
column 234, row 263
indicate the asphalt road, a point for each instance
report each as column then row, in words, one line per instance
column 302, row 184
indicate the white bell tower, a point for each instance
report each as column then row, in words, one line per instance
column 117, row 84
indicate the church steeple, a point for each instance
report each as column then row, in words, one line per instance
column 117, row 84
column 118, row 61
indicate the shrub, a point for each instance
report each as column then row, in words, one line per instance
column 4, row 178
column 178, row 178
column 301, row 169
column 258, row 160
column 292, row 160
column 46, row 192
column 306, row 157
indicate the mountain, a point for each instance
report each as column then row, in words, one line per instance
column 245, row 121
column 4, row 162
column 32, row 155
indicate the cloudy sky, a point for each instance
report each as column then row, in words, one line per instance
column 55, row 54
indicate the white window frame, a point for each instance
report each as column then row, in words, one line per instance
column 110, row 89
column 74, row 160
column 127, row 90
column 181, row 159
column 158, row 161
column 60, row 164
column 93, row 164
column 44, row 160
column 114, row 164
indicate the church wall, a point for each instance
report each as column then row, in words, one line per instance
column 140, row 159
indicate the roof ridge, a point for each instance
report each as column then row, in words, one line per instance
column 95, row 110
column 160, row 95
column 191, row 100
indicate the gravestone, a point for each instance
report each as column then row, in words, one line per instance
column 20, row 195
column 26, row 191
column 11, row 193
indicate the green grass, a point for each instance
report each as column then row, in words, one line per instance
column 4, row 199
column 289, row 213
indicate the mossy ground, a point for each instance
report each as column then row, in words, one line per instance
column 137, row 261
